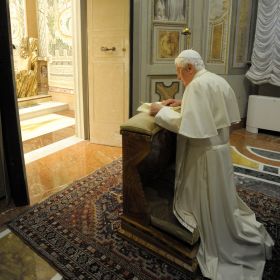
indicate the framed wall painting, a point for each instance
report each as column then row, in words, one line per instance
column 167, row 43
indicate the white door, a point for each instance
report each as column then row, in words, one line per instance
column 108, row 49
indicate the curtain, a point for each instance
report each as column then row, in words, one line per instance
column 265, row 59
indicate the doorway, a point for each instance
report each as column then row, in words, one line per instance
column 43, row 62
column 80, row 60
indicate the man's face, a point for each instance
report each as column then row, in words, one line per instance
column 185, row 74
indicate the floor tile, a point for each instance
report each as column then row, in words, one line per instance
column 18, row 261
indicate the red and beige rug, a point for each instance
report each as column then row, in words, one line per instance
column 76, row 231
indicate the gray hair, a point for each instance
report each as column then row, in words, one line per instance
column 189, row 57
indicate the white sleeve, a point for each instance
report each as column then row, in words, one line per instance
column 168, row 119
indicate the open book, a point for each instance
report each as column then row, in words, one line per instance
column 145, row 107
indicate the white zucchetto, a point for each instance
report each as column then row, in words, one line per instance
column 189, row 54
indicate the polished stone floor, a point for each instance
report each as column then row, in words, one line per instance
column 51, row 173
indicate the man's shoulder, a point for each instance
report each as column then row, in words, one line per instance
column 205, row 78
column 214, row 78
column 209, row 74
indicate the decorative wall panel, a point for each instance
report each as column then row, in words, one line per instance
column 158, row 40
column 218, row 25
column 169, row 19
column 166, row 92
column 242, row 33
column 167, row 43
column 18, row 20
column 163, row 88
column 170, row 10
column 55, row 29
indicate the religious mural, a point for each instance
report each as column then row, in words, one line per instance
column 55, row 29
column 168, row 44
column 18, row 26
column 218, row 25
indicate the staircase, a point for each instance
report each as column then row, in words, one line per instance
column 46, row 126
column 38, row 106
column 39, row 115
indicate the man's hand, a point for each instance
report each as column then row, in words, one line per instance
column 155, row 107
column 171, row 102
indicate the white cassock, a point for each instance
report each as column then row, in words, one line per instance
column 234, row 245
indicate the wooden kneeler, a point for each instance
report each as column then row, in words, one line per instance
column 148, row 190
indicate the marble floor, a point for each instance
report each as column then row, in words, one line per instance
column 54, row 171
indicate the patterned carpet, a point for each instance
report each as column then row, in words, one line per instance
column 76, row 231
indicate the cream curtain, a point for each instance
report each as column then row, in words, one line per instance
column 266, row 52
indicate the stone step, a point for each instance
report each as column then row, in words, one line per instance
column 32, row 100
column 42, row 108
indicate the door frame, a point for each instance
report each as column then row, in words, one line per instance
column 80, row 68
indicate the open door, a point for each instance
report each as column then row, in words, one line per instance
column 11, row 155
column 108, row 55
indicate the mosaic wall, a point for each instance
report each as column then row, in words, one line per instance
column 218, row 27
column 18, row 20
column 55, row 36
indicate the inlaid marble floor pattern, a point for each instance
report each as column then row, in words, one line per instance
column 52, row 172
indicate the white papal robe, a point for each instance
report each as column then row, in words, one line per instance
column 233, row 245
